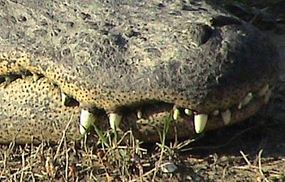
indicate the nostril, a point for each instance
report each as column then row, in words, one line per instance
column 200, row 33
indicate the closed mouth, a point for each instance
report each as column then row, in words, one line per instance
column 153, row 113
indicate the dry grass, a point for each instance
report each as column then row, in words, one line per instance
column 120, row 157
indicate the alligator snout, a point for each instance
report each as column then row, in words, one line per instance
column 201, row 68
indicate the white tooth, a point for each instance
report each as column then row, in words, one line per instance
column 7, row 79
column 200, row 121
column 267, row 96
column 114, row 120
column 139, row 114
column 245, row 100
column 87, row 119
column 226, row 115
column 216, row 112
column 188, row 112
column 176, row 114
column 263, row 90
column 240, row 105
column 23, row 76
column 36, row 77
column 64, row 98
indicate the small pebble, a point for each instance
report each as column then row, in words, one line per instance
column 168, row 167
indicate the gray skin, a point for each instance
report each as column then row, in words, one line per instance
column 122, row 56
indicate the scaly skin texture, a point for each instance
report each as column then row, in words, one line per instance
column 121, row 56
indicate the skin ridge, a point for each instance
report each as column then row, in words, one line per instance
column 120, row 54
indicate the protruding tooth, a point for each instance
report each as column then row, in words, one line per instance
column 188, row 112
column 65, row 99
column 216, row 112
column 8, row 79
column 245, row 100
column 176, row 114
column 87, row 119
column 36, row 77
column 267, row 96
column 200, row 121
column 139, row 114
column 226, row 115
column 263, row 90
column 23, row 76
column 240, row 105
column 114, row 120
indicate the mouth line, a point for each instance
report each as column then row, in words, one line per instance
column 154, row 111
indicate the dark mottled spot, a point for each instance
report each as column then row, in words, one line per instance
column 66, row 52
column 85, row 16
column 22, row 19
column 161, row 5
column 70, row 24
column 119, row 40
column 56, row 31
column 133, row 33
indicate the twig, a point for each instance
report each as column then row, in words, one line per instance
column 62, row 138
column 245, row 158
column 260, row 166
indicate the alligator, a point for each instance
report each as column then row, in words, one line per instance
column 69, row 66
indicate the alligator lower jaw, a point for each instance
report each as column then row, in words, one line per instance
column 184, row 126
column 147, row 120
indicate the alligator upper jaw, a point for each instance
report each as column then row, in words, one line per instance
column 32, row 107
column 188, row 58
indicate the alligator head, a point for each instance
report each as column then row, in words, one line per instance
column 139, row 62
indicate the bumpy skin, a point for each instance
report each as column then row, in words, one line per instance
column 123, row 55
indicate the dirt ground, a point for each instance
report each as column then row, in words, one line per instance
column 251, row 151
